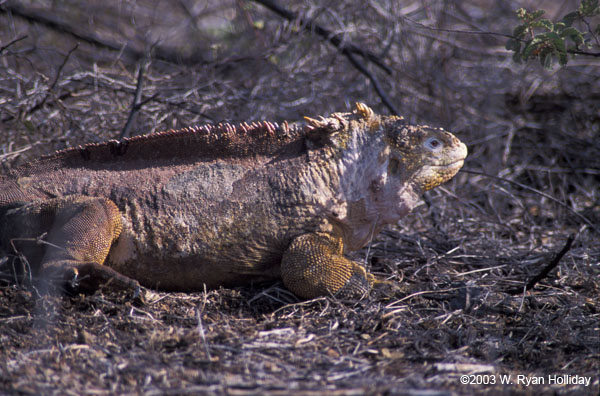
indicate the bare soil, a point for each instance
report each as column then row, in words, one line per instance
column 462, row 259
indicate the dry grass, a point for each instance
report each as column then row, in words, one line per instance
column 457, row 258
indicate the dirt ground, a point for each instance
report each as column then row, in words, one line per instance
column 462, row 322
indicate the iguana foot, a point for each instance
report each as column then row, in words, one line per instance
column 385, row 288
column 89, row 277
column 67, row 239
column 314, row 265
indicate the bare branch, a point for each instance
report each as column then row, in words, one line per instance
column 347, row 49
column 543, row 194
column 479, row 32
column 56, row 23
column 546, row 270
column 382, row 94
column 12, row 42
column 591, row 31
column 56, row 77
column 333, row 38
column 578, row 52
column 137, row 100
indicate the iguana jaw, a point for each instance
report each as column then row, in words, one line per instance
column 433, row 174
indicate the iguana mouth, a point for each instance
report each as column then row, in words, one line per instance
column 456, row 159
column 459, row 163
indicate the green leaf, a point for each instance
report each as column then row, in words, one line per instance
column 559, row 27
column 543, row 23
column 520, row 31
column 562, row 58
column 517, row 58
column 529, row 48
column 513, row 45
column 570, row 31
column 536, row 14
column 559, row 44
column 575, row 35
column 546, row 60
column 570, row 18
column 539, row 38
column 548, row 39
column 589, row 8
column 549, row 36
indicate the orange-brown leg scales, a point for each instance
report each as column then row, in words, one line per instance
column 78, row 234
column 314, row 265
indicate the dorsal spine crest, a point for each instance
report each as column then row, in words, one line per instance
column 363, row 111
column 208, row 141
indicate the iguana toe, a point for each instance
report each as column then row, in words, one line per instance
column 89, row 277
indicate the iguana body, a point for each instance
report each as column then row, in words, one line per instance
column 225, row 205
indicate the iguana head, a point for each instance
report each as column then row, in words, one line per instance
column 423, row 156
column 385, row 164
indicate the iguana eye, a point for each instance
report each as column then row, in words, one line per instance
column 433, row 144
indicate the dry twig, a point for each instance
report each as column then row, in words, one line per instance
column 54, row 81
column 137, row 99
column 546, row 270
column 12, row 42
column 334, row 39
column 550, row 197
column 56, row 23
column 347, row 49
column 485, row 33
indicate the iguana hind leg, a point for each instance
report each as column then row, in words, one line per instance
column 314, row 265
column 67, row 239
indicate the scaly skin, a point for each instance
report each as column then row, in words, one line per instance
column 224, row 205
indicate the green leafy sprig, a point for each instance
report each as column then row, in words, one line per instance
column 540, row 38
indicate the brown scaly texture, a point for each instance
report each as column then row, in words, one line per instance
column 224, row 205
column 192, row 144
column 328, row 271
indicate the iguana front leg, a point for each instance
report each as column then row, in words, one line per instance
column 77, row 234
column 314, row 265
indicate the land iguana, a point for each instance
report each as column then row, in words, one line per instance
column 224, row 205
